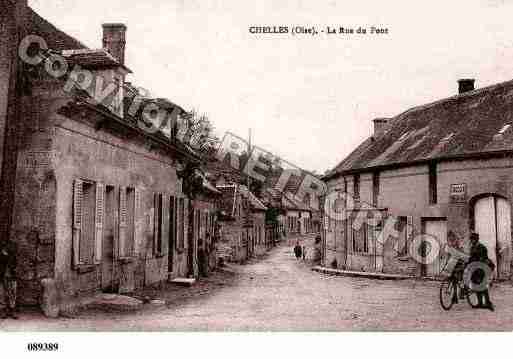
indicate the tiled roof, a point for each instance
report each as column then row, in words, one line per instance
column 463, row 125
column 229, row 194
column 73, row 50
column 77, row 53
column 55, row 38
column 286, row 200
column 91, row 58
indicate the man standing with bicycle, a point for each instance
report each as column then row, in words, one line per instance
column 478, row 275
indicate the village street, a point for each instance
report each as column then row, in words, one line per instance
column 282, row 294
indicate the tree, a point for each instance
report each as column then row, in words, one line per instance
column 198, row 133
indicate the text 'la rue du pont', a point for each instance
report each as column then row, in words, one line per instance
column 314, row 30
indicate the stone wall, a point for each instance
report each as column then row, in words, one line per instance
column 405, row 192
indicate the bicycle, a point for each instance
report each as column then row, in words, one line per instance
column 454, row 287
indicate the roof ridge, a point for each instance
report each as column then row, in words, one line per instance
column 472, row 93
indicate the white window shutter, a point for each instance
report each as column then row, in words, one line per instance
column 153, row 222
column 409, row 233
column 77, row 220
column 186, row 222
column 165, row 225
column 122, row 222
column 99, row 214
column 137, row 227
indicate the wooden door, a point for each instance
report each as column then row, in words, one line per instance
column 172, row 234
column 503, row 214
column 492, row 218
column 436, row 259
column 108, row 239
column 485, row 224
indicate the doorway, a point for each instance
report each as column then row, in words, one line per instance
column 436, row 228
column 492, row 221
column 172, row 234
column 108, row 240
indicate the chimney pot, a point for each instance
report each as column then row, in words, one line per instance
column 466, row 85
column 114, row 40
column 380, row 126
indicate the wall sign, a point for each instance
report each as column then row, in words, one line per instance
column 458, row 192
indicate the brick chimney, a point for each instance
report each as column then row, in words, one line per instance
column 380, row 125
column 114, row 40
column 466, row 85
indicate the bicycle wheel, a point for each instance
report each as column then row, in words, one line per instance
column 447, row 293
column 472, row 298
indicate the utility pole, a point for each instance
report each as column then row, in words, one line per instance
column 249, row 157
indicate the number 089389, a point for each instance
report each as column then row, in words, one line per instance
column 42, row 347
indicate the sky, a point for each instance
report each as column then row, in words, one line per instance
column 308, row 99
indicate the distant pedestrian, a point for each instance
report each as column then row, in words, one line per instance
column 304, row 252
column 8, row 264
column 297, row 251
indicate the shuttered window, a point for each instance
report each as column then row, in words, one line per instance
column 172, row 223
column 87, row 237
column 180, row 243
column 127, row 209
column 88, row 219
column 360, row 239
column 157, row 224
column 100, row 214
column 77, row 220
column 405, row 229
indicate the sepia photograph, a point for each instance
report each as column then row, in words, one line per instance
column 282, row 171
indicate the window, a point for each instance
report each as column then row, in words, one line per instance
column 181, row 224
column 432, row 184
column 375, row 188
column 88, row 217
column 356, row 188
column 157, row 224
column 402, row 240
column 405, row 229
column 126, row 222
column 360, row 239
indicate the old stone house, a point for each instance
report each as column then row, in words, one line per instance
column 295, row 217
column 204, row 225
column 242, row 221
column 98, row 205
column 256, row 234
column 441, row 169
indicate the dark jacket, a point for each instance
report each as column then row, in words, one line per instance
column 8, row 259
column 478, row 253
